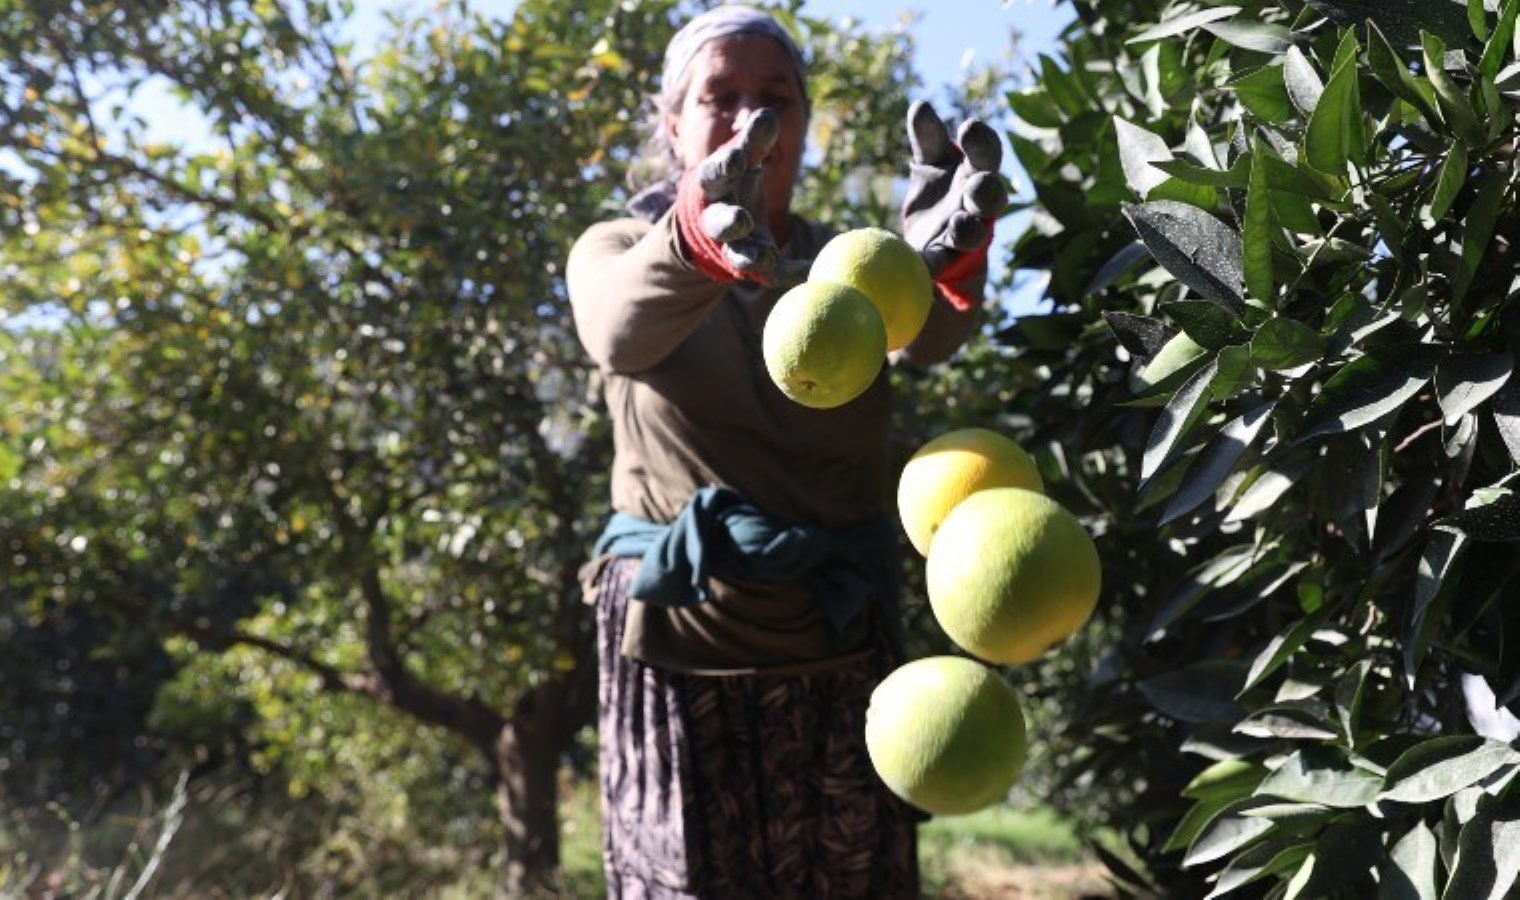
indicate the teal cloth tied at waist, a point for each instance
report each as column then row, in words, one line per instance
column 720, row 533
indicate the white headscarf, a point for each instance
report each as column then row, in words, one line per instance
column 722, row 21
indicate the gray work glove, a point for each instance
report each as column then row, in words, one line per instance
column 954, row 198
column 720, row 209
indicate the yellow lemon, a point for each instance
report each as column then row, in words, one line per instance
column 824, row 344
column 946, row 734
column 1011, row 574
column 952, row 467
column 886, row 269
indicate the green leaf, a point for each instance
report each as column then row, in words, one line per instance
column 1179, row 415
column 1256, row 236
column 1233, row 177
column 1409, row 873
column 1227, row 833
column 1182, row 23
column 1114, row 268
column 1282, row 647
column 1490, row 515
column 1142, row 336
column 1455, row 108
column 1477, row 19
column 1301, row 82
column 1138, row 148
column 1197, row 249
column 1453, row 176
column 1498, row 42
column 1263, row 37
column 1488, row 854
column 1478, row 229
column 1465, row 380
column 1439, row 767
column 1320, row 776
column 1205, row 322
column 1217, row 461
column 1200, row 693
column 1228, row 778
column 1389, row 68
column 1263, row 92
column 1221, row 571
column 1334, row 135
column 1440, row 552
column 1036, row 107
column 1272, row 857
column 1284, row 343
column 1365, row 390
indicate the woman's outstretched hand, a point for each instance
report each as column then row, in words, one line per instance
column 720, row 209
column 954, row 197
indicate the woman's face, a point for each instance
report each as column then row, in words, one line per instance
column 732, row 75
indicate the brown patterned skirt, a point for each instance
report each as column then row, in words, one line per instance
column 741, row 786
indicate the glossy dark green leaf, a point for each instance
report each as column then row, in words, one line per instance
column 1197, row 249
column 1498, row 44
column 1477, row 19
column 1491, row 515
column 1364, row 391
column 1035, row 107
column 1506, row 412
column 1301, row 83
column 1179, row 415
column 1256, row 232
column 1323, row 777
column 1142, row 336
column 1488, row 854
column 1441, row 766
column 1284, row 343
column 1185, row 22
column 1334, row 134
column 1464, row 381
column 1402, row 20
column 1263, row 37
column 1115, row 267
column 1228, row 832
column 1202, row 692
column 1263, row 93
column 1410, row 871
column 1219, row 572
column 1205, row 322
column 1268, row 488
column 1452, row 178
column 1281, row 647
column 1234, row 177
column 1138, row 148
column 1217, row 461
column 1389, row 68
column 1456, row 108
column 1478, row 229
column 1441, row 551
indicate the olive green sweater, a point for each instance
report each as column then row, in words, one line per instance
column 691, row 405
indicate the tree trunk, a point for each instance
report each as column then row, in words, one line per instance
column 527, row 769
column 527, row 755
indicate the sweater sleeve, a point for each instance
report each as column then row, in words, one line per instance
column 634, row 293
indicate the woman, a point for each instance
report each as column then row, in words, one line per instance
column 744, row 588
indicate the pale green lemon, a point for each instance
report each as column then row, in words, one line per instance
column 886, row 269
column 824, row 344
column 1011, row 574
column 946, row 734
column 952, row 467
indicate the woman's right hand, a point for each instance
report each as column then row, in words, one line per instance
column 721, row 209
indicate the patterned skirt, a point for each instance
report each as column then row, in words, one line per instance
column 741, row 786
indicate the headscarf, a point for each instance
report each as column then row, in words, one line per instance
column 722, row 21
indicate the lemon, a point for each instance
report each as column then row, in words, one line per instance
column 1011, row 574
column 886, row 269
column 952, row 467
column 823, row 344
column 946, row 734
